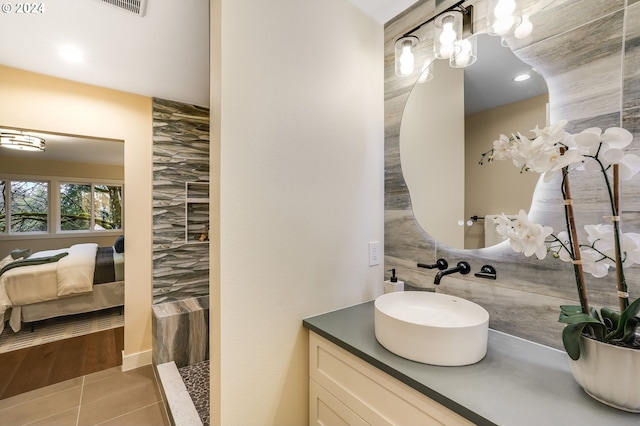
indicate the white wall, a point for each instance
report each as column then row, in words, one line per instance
column 301, row 192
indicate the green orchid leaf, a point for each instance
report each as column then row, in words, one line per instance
column 575, row 326
column 611, row 318
column 575, row 318
column 571, row 339
column 570, row 309
column 630, row 330
column 628, row 314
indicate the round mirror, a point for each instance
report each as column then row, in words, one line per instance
column 448, row 122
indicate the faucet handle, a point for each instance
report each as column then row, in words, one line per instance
column 487, row 271
column 441, row 264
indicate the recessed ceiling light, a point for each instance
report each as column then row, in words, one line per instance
column 522, row 77
column 71, row 54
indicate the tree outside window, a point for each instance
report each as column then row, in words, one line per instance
column 86, row 206
column 75, row 207
column 107, row 207
column 29, row 206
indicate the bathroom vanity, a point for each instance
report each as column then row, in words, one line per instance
column 356, row 381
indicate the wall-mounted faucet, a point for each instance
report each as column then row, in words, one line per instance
column 488, row 272
column 441, row 264
column 462, row 267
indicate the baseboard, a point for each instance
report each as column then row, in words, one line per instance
column 139, row 359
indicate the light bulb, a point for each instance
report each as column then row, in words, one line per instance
column 504, row 8
column 463, row 57
column 407, row 61
column 404, row 55
column 524, row 29
column 448, row 35
column 469, row 222
column 71, row 54
column 503, row 24
column 461, row 222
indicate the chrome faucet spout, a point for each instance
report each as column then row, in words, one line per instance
column 462, row 267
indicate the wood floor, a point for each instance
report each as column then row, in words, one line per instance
column 38, row 366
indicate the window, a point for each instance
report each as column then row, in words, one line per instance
column 86, row 206
column 75, row 207
column 29, row 203
column 35, row 206
column 107, row 201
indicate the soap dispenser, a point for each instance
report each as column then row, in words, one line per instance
column 392, row 284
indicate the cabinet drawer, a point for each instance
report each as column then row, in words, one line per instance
column 325, row 409
column 373, row 395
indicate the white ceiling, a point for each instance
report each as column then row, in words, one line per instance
column 163, row 54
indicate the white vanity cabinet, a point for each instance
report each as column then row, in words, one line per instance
column 345, row 390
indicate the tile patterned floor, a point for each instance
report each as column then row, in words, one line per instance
column 109, row 397
column 196, row 380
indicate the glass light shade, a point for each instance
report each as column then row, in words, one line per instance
column 447, row 31
column 21, row 142
column 426, row 72
column 405, row 56
column 465, row 53
column 503, row 16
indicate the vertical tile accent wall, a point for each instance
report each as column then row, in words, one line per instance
column 180, row 324
column 180, row 155
column 589, row 53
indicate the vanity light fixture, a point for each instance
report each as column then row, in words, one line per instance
column 450, row 29
column 452, row 39
column 21, row 141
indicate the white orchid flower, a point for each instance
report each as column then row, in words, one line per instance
column 602, row 250
column 553, row 134
column 630, row 245
column 592, row 263
column 501, row 148
column 524, row 236
column 608, row 148
column 561, row 246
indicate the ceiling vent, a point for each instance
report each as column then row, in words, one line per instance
column 136, row 6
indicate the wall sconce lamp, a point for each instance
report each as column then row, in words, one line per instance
column 452, row 39
column 21, row 141
column 450, row 28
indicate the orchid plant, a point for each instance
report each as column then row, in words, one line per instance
column 551, row 151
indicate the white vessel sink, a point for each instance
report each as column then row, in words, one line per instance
column 432, row 328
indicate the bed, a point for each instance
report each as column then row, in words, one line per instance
column 72, row 280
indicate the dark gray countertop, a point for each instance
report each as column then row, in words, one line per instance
column 518, row 382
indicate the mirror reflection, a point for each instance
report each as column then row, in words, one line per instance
column 448, row 122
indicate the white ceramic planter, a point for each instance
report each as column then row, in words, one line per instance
column 608, row 373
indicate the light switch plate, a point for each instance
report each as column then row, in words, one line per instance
column 374, row 253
